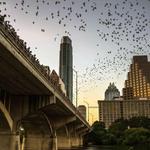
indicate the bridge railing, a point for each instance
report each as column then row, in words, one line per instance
column 10, row 32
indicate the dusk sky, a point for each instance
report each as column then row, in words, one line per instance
column 105, row 35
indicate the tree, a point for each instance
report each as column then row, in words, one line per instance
column 97, row 133
column 100, row 136
column 109, row 139
column 132, row 131
column 137, row 122
column 134, row 136
column 118, row 127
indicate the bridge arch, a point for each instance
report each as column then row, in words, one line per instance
column 49, row 123
column 6, row 115
column 36, row 131
column 39, row 116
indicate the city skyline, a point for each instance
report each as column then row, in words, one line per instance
column 136, row 95
column 44, row 115
column 98, row 57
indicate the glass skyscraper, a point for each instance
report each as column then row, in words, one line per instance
column 65, row 65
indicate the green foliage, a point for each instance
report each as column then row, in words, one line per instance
column 97, row 125
column 130, row 132
column 137, row 122
column 134, row 136
column 109, row 139
column 99, row 135
column 117, row 128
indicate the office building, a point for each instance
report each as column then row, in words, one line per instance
column 110, row 111
column 137, row 85
column 65, row 65
column 82, row 110
column 112, row 92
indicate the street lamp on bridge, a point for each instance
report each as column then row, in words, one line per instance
column 76, row 86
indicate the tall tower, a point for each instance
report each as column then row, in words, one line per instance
column 137, row 85
column 65, row 65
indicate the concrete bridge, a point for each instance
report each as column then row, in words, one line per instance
column 34, row 112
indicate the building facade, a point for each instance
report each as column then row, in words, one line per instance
column 137, row 85
column 65, row 65
column 109, row 111
column 82, row 110
column 111, row 92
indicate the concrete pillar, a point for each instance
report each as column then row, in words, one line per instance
column 80, row 141
column 14, row 142
column 54, row 142
column 69, row 140
column 46, row 143
column 63, row 142
column 17, row 142
column 63, row 138
column 76, row 140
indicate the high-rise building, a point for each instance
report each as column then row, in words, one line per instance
column 137, row 85
column 82, row 110
column 65, row 65
column 111, row 92
column 110, row 111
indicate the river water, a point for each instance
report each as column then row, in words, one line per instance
column 101, row 148
column 142, row 147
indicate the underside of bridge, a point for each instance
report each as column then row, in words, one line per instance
column 16, row 78
column 40, row 133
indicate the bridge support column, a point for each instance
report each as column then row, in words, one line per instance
column 75, row 137
column 63, row 138
column 14, row 142
column 75, row 141
column 54, row 145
